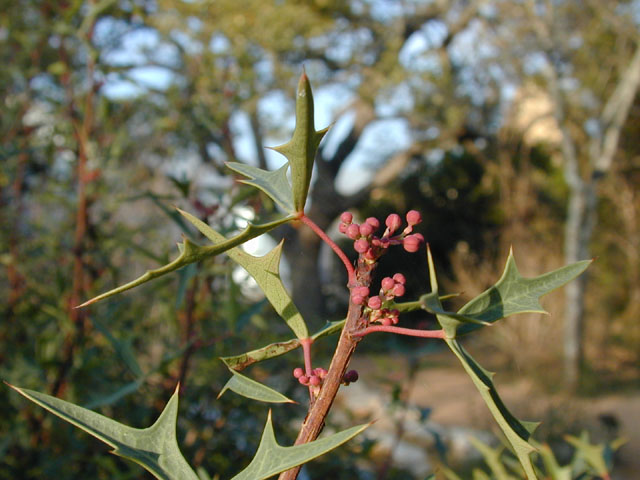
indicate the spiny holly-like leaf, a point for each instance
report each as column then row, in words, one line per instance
column 551, row 465
column 275, row 183
column 271, row 458
column 512, row 294
column 266, row 272
column 154, row 448
column 493, row 459
column 190, row 253
column 242, row 361
column 597, row 456
column 515, row 294
column 301, row 149
column 516, row 431
column 249, row 388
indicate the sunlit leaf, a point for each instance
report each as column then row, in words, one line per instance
column 249, row 388
column 516, row 431
column 275, row 183
column 493, row 459
column 190, row 253
column 266, row 272
column 154, row 448
column 514, row 294
column 301, row 149
column 271, row 458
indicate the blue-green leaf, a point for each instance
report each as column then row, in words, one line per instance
column 249, row 388
column 301, row 149
column 275, row 184
column 242, row 361
column 271, row 458
column 516, row 431
column 154, row 448
column 190, row 253
column 266, row 272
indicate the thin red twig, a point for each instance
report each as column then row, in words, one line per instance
column 338, row 251
column 400, row 331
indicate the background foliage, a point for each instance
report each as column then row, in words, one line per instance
column 115, row 110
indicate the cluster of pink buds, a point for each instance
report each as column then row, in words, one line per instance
column 390, row 288
column 313, row 380
column 370, row 246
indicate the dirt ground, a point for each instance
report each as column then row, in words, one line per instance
column 454, row 401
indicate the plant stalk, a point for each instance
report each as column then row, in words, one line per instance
column 318, row 410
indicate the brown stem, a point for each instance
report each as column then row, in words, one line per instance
column 82, row 130
column 318, row 410
column 189, row 325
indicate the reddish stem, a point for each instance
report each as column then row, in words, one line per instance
column 400, row 331
column 306, row 352
column 338, row 251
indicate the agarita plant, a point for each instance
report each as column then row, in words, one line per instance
column 156, row 449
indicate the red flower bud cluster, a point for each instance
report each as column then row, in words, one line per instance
column 370, row 246
column 391, row 287
column 314, row 379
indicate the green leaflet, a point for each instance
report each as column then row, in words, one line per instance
column 493, row 459
column 551, row 465
column 595, row 455
column 516, row 432
column 271, row 458
column 242, row 361
column 275, row 184
column 190, row 253
column 301, row 149
column 249, row 388
column 512, row 294
column 515, row 294
column 266, row 271
column 154, row 448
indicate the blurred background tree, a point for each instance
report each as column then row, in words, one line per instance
column 503, row 122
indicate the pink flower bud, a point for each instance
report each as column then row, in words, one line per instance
column 387, row 322
column 304, row 380
column 315, row 380
column 357, row 299
column 346, row 217
column 374, row 222
column 366, row 229
column 361, row 245
column 374, row 303
column 353, row 231
column 298, row 372
column 364, row 291
column 399, row 278
column 342, row 228
column 393, row 222
column 411, row 243
column 387, row 283
column 413, row 217
column 398, row 290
